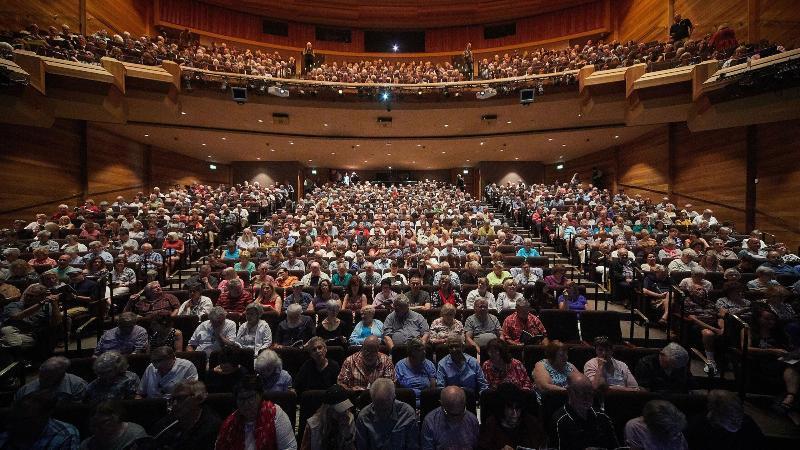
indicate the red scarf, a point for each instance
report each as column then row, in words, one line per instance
column 231, row 433
column 448, row 299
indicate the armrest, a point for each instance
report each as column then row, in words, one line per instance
column 641, row 316
column 8, row 369
column 80, row 329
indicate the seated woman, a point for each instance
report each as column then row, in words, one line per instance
column 228, row 274
column 650, row 263
column 96, row 268
column 163, row 333
column 446, row 326
column 509, row 425
column 416, row 372
column 777, row 300
column 262, row 277
column 244, row 264
column 255, row 417
column 173, row 252
column 765, row 278
column 122, row 278
column 767, row 337
column 114, row 381
column 333, row 425
column 254, row 334
column 324, row 295
column 669, row 252
column 554, row 372
column 556, row 282
column 607, row 373
column 710, row 262
column 330, row 328
column 41, row 259
column 509, row 297
column 269, row 299
column 354, row 297
column 446, row 295
column 269, row 368
column 368, row 326
column 319, row 372
column 501, row 368
column 572, row 299
column 231, row 253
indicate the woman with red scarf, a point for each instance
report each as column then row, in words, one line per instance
column 257, row 424
column 446, row 295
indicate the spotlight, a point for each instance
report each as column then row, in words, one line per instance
column 340, row 92
column 560, row 166
column 262, row 89
column 224, row 86
column 385, row 96
column 395, row 47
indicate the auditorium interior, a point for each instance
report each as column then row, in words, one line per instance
column 382, row 224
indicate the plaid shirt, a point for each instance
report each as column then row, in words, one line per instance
column 513, row 328
column 355, row 376
column 515, row 373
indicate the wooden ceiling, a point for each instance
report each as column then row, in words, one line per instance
column 397, row 14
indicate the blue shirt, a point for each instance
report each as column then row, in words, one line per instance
column 438, row 432
column 278, row 382
column 360, row 332
column 231, row 255
column 575, row 304
column 531, row 252
column 415, row 379
column 468, row 376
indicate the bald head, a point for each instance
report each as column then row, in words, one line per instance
column 454, row 401
column 580, row 393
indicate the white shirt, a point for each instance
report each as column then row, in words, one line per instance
column 154, row 385
column 475, row 295
column 258, row 338
column 504, row 303
column 284, row 433
column 203, row 306
column 204, row 339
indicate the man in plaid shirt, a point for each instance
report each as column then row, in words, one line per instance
column 522, row 320
column 361, row 369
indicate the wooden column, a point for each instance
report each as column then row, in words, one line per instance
column 82, row 16
column 752, row 177
column 753, row 22
column 147, row 168
column 672, row 130
column 83, row 158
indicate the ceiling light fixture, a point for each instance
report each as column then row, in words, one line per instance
column 146, row 135
column 563, row 145
column 183, row 113
column 616, row 137
column 550, row 139
column 260, row 121
column 508, row 122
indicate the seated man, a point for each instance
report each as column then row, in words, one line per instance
column 125, row 338
column 154, row 301
column 111, row 432
column 297, row 296
column 522, row 327
column 386, row 296
column 236, row 298
column 403, row 324
column 418, row 298
column 447, row 273
column 665, row 372
column 203, row 278
column 577, row 425
column 164, row 373
column 605, row 372
column 319, row 372
column 295, row 330
column 53, row 377
column 29, row 317
column 197, row 423
column 450, row 425
column 460, row 369
column 197, row 305
column 386, row 423
column 481, row 327
column 214, row 333
column 30, row 425
column 361, row 369
column 314, row 276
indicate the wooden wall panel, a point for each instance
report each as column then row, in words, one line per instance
column 779, row 21
column 134, row 16
column 170, row 169
column 778, row 160
column 39, row 167
column 645, row 164
column 710, row 171
column 18, row 14
column 640, row 20
column 708, row 15
column 115, row 165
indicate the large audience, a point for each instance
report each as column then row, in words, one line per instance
column 401, row 292
column 681, row 48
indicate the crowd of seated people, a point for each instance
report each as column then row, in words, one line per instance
column 267, row 297
column 679, row 49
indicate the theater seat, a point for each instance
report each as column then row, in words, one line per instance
column 146, row 412
column 492, row 405
column 310, row 401
column 601, row 323
column 560, row 325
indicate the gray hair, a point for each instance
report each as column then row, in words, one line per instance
column 294, row 308
column 689, row 252
column 765, row 271
column 127, row 319
column 381, row 386
column 110, row 362
column 44, row 233
column 55, row 364
column 699, row 271
column 333, row 304
column 217, row 312
column 400, row 300
column 268, row 362
column 677, row 355
column 733, row 273
column 255, row 306
column 663, row 419
column 724, row 405
column 235, row 283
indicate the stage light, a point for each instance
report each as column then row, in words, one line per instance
column 560, row 166
column 486, row 93
column 212, row 166
column 385, row 96
column 395, row 47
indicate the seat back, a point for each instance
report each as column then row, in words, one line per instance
column 310, row 402
column 292, row 358
column 601, row 323
column 560, row 325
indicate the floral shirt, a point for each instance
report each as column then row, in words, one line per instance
column 514, row 373
column 440, row 332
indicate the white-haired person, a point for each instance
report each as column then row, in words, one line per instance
column 333, row 425
column 366, row 327
column 386, row 423
column 114, row 381
column 214, row 333
column 664, row 372
column 254, row 334
column 269, row 367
